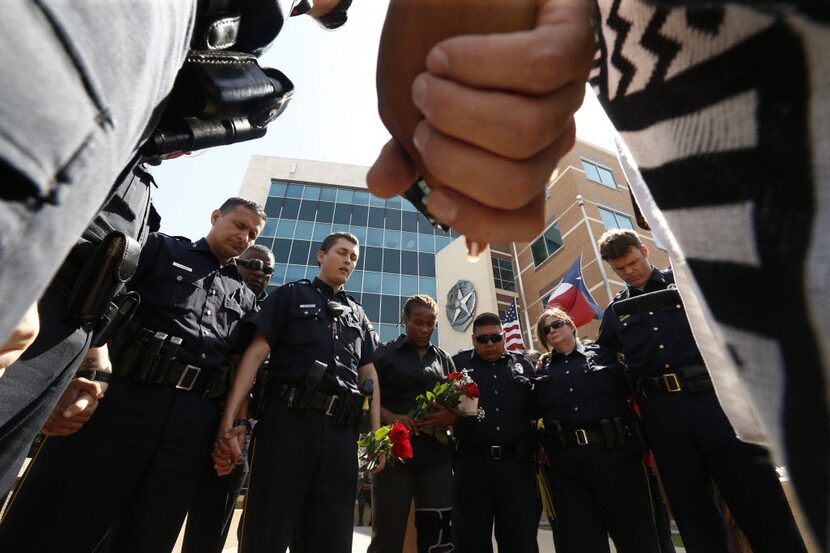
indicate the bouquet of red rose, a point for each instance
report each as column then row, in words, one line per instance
column 459, row 394
column 391, row 441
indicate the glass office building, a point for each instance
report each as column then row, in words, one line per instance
column 397, row 243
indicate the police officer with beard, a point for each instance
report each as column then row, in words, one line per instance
column 144, row 448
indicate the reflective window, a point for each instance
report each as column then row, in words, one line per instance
column 273, row 207
column 376, row 217
column 393, row 219
column 599, row 174
column 270, row 228
column 409, row 262
column 409, row 221
column 290, row 208
column 409, row 285
column 503, row 274
column 294, row 191
column 371, row 305
column 278, row 277
column 325, row 212
column 376, row 202
column 321, row 230
column 355, row 282
column 311, row 192
column 426, row 264
column 409, row 241
column 312, row 253
column 441, row 242
column 394, row 202
column 614, row 220
column 345, row 196
column 391, row 283
column 424, row 225
column 360, row 233
column 304, row 230
column 277, row 189
column 426, row 243
column 391, row 260
column 294, row 272
column 360, row 215
column 361, row 197
column 392, row 239
column 264, row 241
column 371, row 282
column 299, row 252
column 546, row 245
column 374, row 237
column 342, row 214
column 328, row 194
column 281, row 249
column 427, row 286
column 285, row 228
column 390, row 309
column 373, row 258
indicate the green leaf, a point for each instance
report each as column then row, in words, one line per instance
column 381, row 432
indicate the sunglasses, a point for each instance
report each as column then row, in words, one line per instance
column 555, row 326
column 486, row 338
column 256, row 265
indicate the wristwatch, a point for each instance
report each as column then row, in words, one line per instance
column 243, row 422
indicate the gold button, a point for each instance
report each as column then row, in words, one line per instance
column 179, row 278
column 662, row 346
column 656, row 329
column 668, row 366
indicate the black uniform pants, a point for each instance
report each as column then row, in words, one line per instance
column 393, row 490
column 599, row 491
column 211, row 508
column 31, row 387
column 500, row 492
column 303, row 477
column 694, row 445
column 131, row 470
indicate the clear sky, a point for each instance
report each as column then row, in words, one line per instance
column 332, row 117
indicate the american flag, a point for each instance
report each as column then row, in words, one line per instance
column 512, row 330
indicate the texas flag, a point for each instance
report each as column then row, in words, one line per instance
column 573, row 297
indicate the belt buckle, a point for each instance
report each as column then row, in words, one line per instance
column 581, row 436
column 495, row 452
column 332, row 402
column 187, row 370
column 671, row 382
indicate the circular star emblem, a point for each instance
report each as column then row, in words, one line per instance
column 461, row 304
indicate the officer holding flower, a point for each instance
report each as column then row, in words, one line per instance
column 494, row 470
column 408, row 367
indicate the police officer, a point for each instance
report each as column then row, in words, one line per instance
column 212, row 506
column 598, row 482
column 693, row 443
column 494, row 470
column 135, row 465
column 304, row 455
column 32, row 386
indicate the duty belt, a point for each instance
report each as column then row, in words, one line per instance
column 519, row 451
column 611, row 432
column 150, row 357
column 343, row 409
column 692, row 378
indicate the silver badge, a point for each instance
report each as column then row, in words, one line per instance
column 461, row 304
column 519, row 368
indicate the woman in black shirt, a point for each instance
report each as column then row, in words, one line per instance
column 409, row 366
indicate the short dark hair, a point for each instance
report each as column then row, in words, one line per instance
column 616, row 243
column 486, row 319
column 337, row 16
column 261, row 249
column 232, row 203
column 332, row 238
column 419, row 300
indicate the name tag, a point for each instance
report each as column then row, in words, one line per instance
column 185, row 267
column 308, row 305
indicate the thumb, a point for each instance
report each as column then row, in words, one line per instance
column 83, row 401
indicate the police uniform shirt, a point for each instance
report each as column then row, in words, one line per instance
column 656, row 341
column 505, row 391
column 301, row 328
column 403, row 376
column 185, row 292
column 583, row 386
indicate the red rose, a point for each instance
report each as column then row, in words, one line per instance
column 471, row 390
column 455, row 375
column 402, row 450
column 398, row 433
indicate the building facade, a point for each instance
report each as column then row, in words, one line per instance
column 307, row 200
column 402, row 254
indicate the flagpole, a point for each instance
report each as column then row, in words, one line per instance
column 522, row 294
column 581, row 201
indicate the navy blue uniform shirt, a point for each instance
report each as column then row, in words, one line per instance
column 186, row 293
column 654, row 342
column 505, row 397
column 582, row 386
column 301, row 329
